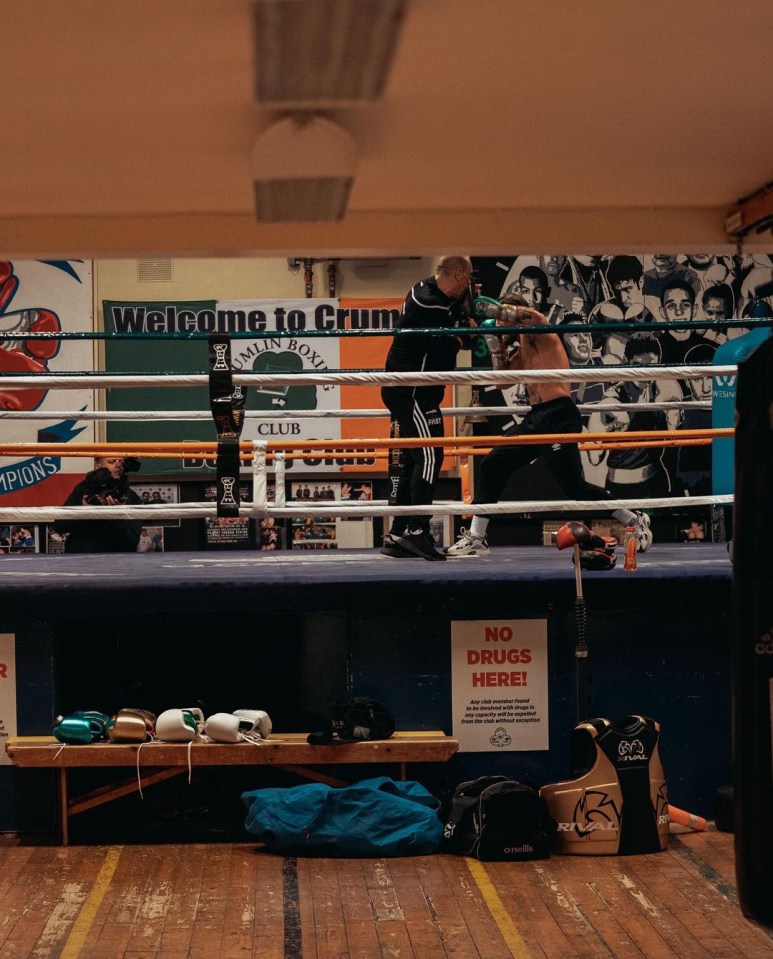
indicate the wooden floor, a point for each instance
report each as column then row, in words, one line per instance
column 212, row 900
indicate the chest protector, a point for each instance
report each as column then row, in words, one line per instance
column 617, row 805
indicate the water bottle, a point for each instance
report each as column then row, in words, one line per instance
column 630, row 547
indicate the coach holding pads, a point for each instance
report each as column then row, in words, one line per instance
column 437, row 301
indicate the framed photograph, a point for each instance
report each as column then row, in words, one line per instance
column 317, row 530
column 154, row 493
column 358, row 491
column 18, row 539
column 311, row 532
column 314, row 492
column 271, row 534
column 54, row 541
column 442, row 530
column 151, row 540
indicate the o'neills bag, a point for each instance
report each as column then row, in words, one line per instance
column 494, row 819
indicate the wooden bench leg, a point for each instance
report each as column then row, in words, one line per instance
column 64, row 832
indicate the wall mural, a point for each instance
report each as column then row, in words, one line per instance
column 661, row 288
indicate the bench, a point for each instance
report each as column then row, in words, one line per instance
column 157, row 761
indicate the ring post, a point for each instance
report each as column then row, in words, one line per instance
column 279, row 478
column 259, row 484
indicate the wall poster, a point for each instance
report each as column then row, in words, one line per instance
column 7, row 693
column 499, row 684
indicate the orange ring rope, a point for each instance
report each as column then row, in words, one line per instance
column 367, row 445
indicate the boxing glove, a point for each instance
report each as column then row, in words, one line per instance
column 617, row 421
column 575, row 533
column 486, row 308
column 131, row 726
column 223, row 728
column 177, row 726
column 42, row 321
column 8, row 284
column 197, row 715
column 596, row 559
column 80, row 728
column 261, row 721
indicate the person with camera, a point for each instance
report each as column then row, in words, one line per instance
column 106, row 485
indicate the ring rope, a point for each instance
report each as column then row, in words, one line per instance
column 176, row 415
column 608, row 326
column 188, row 448
column 596, row 374
column 149, row 512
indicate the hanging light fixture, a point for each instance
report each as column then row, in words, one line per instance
column 303, row 168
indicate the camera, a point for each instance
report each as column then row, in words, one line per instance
column 100, row 485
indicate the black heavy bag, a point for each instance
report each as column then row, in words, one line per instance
column 753, row 646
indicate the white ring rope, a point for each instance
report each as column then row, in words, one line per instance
column 596, row 374
column 175, row 415
column 150, row 513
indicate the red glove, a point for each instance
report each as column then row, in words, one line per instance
column 44, row 321
column 20, row 398
column 8, row 284
column 575, row 533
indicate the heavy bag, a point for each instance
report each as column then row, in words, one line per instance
column 753, row 639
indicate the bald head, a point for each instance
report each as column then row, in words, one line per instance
column 452, row 275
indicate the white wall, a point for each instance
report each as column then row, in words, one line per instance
column 229, row 279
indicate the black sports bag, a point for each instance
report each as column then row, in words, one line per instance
column 494, row 818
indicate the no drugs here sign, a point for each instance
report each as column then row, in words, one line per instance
column 499, row 684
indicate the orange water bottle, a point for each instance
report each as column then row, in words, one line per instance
column 631, row 545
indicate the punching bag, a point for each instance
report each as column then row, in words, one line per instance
column 753, row 635
column 723, row 399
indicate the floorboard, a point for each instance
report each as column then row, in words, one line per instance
column 225, row 900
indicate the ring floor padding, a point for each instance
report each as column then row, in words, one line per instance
column 86, row 585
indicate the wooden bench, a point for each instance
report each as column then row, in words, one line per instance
column 158, row 761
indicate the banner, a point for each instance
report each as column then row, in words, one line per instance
column 158, row 356
column 7, row 693
column 499, row 685
column 260, row 355
column 50, row 296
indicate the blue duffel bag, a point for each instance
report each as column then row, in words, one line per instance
column 375, row 817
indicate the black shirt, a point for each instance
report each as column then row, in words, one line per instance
column 100, row 535
column 425, row 307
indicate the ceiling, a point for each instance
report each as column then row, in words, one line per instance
column 504, row 126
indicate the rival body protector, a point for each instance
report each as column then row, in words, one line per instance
column 617, row 805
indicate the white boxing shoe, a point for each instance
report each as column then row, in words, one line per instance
column 468, row 545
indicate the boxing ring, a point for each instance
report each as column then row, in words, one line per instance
column 295, row 631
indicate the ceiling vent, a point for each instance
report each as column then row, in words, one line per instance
column 316, row 53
